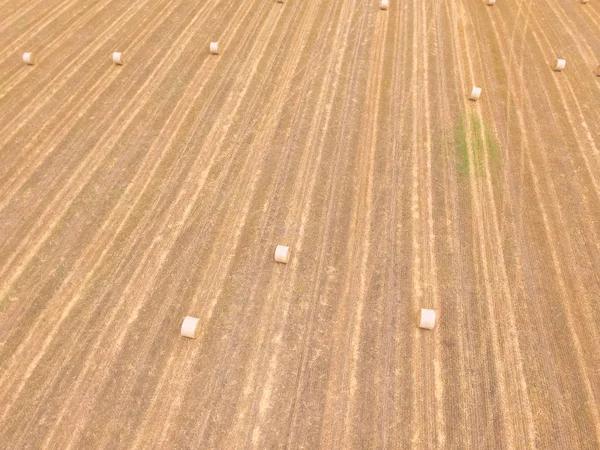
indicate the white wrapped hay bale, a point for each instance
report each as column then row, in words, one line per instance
column 189, row 327
column 475, row 93
column 117, row 58
column 384, row 4
column 490, row 2
column 282, row 254
column 28, row 58
column 558, row 65
column 214, row 48
column 427, row 319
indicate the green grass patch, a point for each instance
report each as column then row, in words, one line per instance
column 472, row 132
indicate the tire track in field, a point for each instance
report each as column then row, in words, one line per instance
column 531, row 114
column 438, row 438
column 523, row 127
column 227, row 262
column 389, row 396
column 556, row 205
column 261, row 401
column 234, row 356
column 580, row 191
column 549, row 234
column 521, row 258
column 67, row 61
column 134, row 177
column 578, row 39
column 518, row 101
column 187, row 211
column 15, row 177
column 51, row 86
column 85, row 95
column 428, row 386
column 255, row 405
column 40, row 17
column 123, row 204
column 184, row 369
column 454, row 309
column 43, row 25
column 562, row 279
column 517, row 378
column 330, row 214
column 362, row 216
column 91, row 163
column 593, row 16
column 400, row 294
column 590, row 168
column 215, row 91
column 20, row 12
column 75, row 295
column 292, row 217
column 417, row 270
column 589, row 141
column 264, row 158
column 479, row 248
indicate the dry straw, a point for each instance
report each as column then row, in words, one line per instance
column 28, row 58
column 117, row 58
column 282, row 254
column 475, row 93
column 558, row 65
column 427, row 319
column 189, row 327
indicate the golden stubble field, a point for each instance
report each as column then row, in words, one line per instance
column 134, row 195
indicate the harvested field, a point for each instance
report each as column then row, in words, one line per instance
column 134, row 195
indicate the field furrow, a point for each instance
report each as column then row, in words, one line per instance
column 134, row 195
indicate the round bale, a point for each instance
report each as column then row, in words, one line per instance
column 189, row 327
column 427, row 319
column 282, row 254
